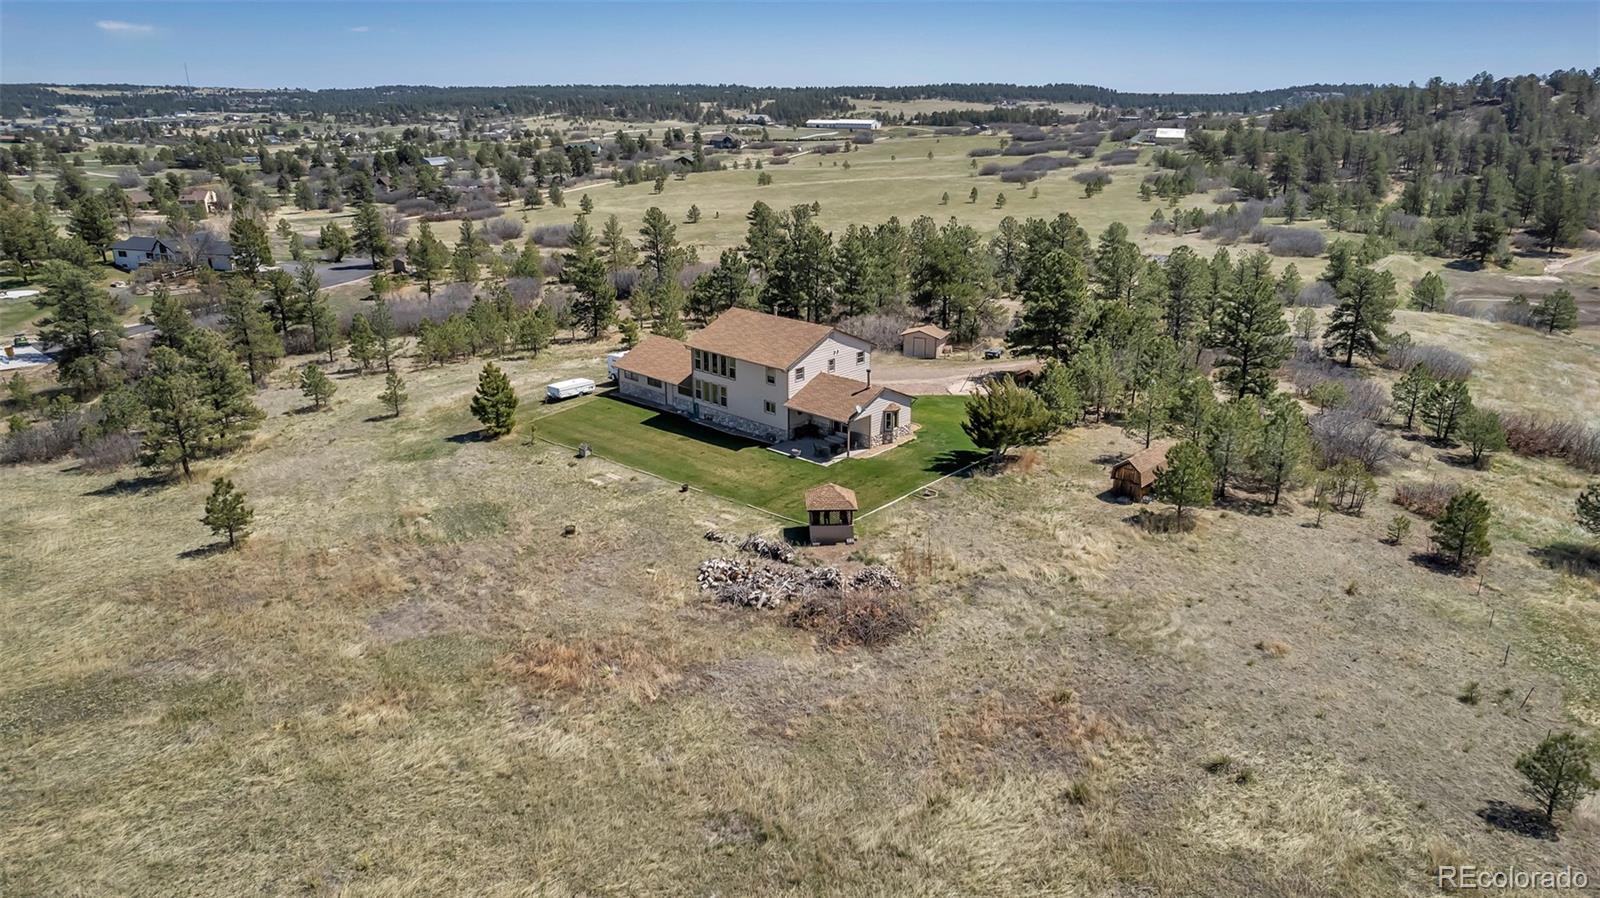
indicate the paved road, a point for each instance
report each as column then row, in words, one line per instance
column 334, row 274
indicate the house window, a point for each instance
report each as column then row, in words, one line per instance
column 712, row 363
column 891, row 421
column 799, row 374
column 772, row 375
column 861, row 356
column 652, row 382
column 768, row 407
column 830, row 364
column 630, row 375
column 706, row 391
column 684, row 389
column 122, row 254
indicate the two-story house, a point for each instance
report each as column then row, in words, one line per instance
column 769, row 378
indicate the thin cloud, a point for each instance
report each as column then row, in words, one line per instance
column 361, row 29
column 118, row 27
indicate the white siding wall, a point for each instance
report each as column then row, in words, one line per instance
column 747, row 391
column 842, row 349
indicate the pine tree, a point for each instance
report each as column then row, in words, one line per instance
column 317, row 312
column 1428, row 293
column 1557, row 312
column 226, row 512
column 385, row 341
column 283, row 300
column 1056, row 308
column 225, row 387
column 179, row 419
column 1447, row 402
column 1284, row 448
column 495, row 403
column 335, row 242
column 1232, row 438
column 252, row 251
column 1588, row 508
column 1003, row 415
column 1186, row 479
column 1411, row 392
column 93, row 222
column 429, row 260
column 82, row 326
column 1359, row 324
column 595, row 304
column 394, row 393
column 658, row 242
column 363, row 343
column 317, row 386
column 1559, row 772
column 1483, row 433
column 371, row 235
column 1251, row 331
column 618, row 249
column 250, row 332
column 1462, row 532
column 172, row 321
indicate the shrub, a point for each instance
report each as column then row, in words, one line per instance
column 1232, row 225
column 109, row 452
column 557, row 235
column 1092, row 177
column 1341, row 434
column 44, row 441
column 1544, row 437
column 1285, row 241
column 1033, row 149
column 1316, row 295
column 881, row 329
column 1424, row 499
column 505, row 228
column 1125, row 156
column 1443, row 364
column 983, row 151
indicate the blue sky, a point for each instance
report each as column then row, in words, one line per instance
column 1177, row 46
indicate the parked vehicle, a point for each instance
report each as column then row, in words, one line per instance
column 566, row 389
column 993, row 352
column 611, row 363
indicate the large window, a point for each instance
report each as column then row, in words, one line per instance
column 706, row 391
column 769, row 407
column 799, row 374
column 712, row 363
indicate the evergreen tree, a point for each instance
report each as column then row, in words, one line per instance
column 1059, row 394
column 283, row 300
column 429, row 260
column 363, row 343
column 1186, row 479
column 171, row 319
column 1251, row 331
column 371, row 235
column 1002, row 416
column 595, row 303
column 1411, row 392
column 179, row 420
column 226, row 512
column 317, row 386
column 335, row 242
column 252, row 251
column 394, row 393
column 1284, row 447
column 1483, row 433
column 1588, row 508
column 93, row 222
column 1559, row 771
column 1462, row 532
column 495, row 403
column 618, row 249
column 658, row 241
column 1056, row 308
column 1557, row 312
column 529, row 264
column 1428, row 293
column 385, row 339
column 82, row 326
column 1447, row 402
column 722, row 288
column 1359, row 324
column 1232, row 437
column 250, row 332
column 225, row 388
column 317, row 313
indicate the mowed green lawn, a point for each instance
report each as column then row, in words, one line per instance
column 679, row 450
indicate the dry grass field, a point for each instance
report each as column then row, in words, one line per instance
column 411, row 682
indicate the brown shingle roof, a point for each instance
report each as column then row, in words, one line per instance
column 194, row 194
column 1145, row 462
column 831, row 497
column 662, row 358
column 833, row 397
column 757, row 337
column 932, row 330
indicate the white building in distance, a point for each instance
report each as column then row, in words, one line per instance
column 845, row 124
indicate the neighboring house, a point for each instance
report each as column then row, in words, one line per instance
column 925, row 341
column 831, row 514
column 203, row 198
column 218, row 254
column 724, row 142
column 1170, row 135
column 131, row 252
column 437, row 161
column 138, row 196
column 383, row 182
column 771, row 379
column 845, row 124
column 755, row 118
column 1135, row 475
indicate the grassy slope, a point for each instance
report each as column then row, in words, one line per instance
column 744, row 471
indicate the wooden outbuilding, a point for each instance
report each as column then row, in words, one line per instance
column 831, row 509
column 925, row 341
column 1135, row 475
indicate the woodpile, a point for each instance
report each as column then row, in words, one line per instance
column 755, row 584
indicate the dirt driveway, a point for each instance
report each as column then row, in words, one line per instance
column 942, row 377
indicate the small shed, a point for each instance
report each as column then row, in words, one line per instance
column 1135, row 475
column 831, row 510
column 925, row 341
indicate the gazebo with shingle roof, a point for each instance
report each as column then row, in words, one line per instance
column 831, row 511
